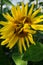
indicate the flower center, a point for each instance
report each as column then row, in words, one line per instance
column 21, row 24
column 25, row 19
column 28, row 20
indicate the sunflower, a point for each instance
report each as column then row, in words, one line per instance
column 21, row 25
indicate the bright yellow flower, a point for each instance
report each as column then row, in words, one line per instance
column 19, row 26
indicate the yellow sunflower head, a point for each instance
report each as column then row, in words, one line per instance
column 19, row 26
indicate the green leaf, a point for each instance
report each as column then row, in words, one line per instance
column 38, row 63
column 31, row 0
column 41, row 3
column 34, row 53
column 7, row 2
column 3, row 58
column 18, row 60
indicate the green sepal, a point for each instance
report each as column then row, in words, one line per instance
column 17, row 58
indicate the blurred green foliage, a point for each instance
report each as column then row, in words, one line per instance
column 34, row 53
column 4, row 60
column 41, row 3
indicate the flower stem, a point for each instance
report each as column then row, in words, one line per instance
column 36, row 3
column 18, row 61
column 1, row 5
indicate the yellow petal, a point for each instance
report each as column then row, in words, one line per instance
column 37, row 27
column 19, row 10
column 30, row 31
column 41, row 16
column 3, row 23
column 23, row 9
column 24, row 46
column 7, row 35
column 3, row 37
column 31, row 10
column 31, row 39
column 4, row 28
column 5, row 41
column 26, row 9
column 38, row 17
column 13, row 11
column 27, row 41
column 26, row 26
column 13, row 42
column 38, row 21
column 6, row 32
column 36, row 12
column 20, row 45
column 8, row 17
column 5, row 16
column 7, row 28
column 24, row 20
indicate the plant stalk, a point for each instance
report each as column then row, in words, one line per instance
column 1, row 5
column 36, row 3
